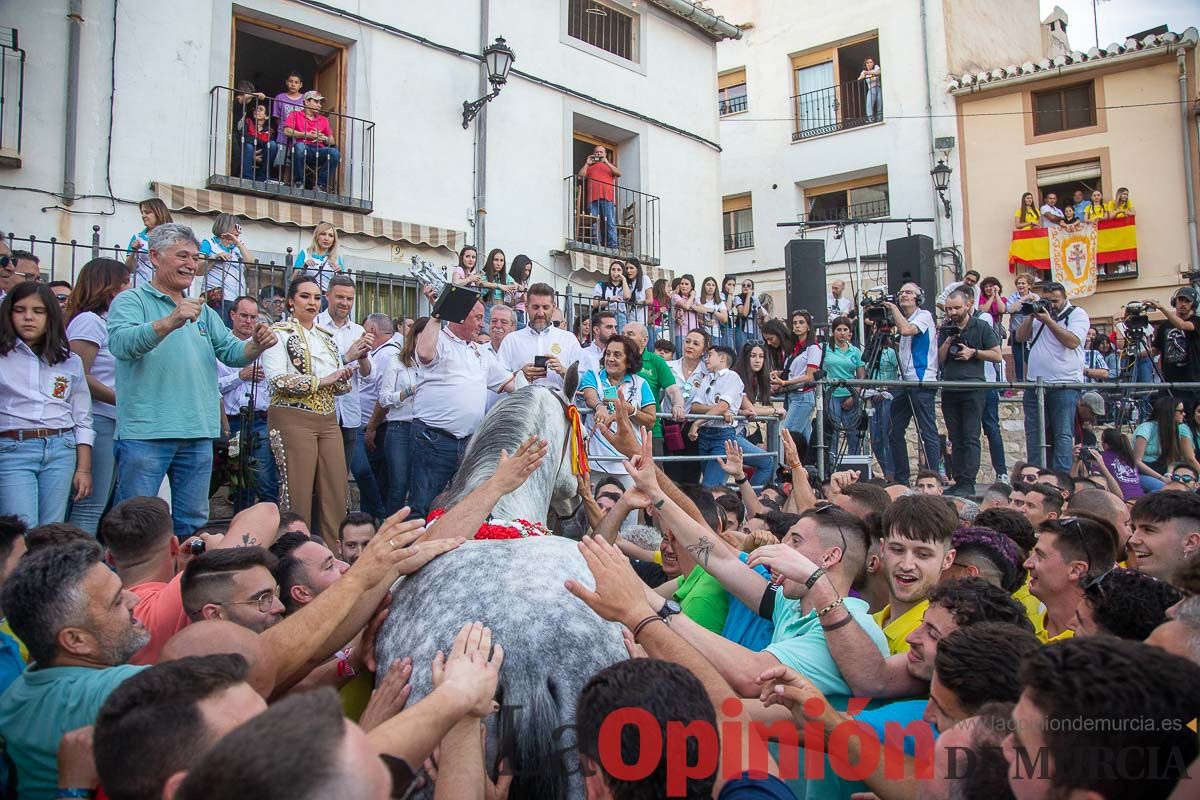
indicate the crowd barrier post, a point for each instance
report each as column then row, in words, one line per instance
column 819, row 427
column 1043, row 445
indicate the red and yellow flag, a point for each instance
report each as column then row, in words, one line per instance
column 1116, row 242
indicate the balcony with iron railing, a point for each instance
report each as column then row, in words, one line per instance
column 837, row 108
column 739, row 241
column 12, row 89
column 732, row 105
column 626, row 225
column 833, row 216
column 338, row 174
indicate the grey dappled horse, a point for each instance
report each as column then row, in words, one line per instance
column 553, row 643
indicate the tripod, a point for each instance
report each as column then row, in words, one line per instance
column 1133, row 408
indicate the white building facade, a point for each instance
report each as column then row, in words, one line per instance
column 805, row 140
column 635, row 76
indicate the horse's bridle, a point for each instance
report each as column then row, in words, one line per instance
column 566, row 448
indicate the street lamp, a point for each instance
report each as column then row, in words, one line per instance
column 498, row 58
column 941, row 182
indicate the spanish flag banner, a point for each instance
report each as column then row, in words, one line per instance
column 1115, row 240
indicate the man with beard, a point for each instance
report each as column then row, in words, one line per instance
column 1067, row 550
column 542, row 352
column 603, row 325
column 234, row 584
column 72, row 613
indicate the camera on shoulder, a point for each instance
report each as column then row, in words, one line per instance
column 1136, row 314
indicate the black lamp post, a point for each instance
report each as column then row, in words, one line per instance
column 498, row 58
column 941, row 182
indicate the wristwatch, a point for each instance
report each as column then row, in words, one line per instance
column 669, row 609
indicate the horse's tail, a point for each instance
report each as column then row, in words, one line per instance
column 534, row 739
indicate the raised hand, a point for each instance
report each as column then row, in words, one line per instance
column 785, row 561
column 263, row 338
column 389, row 697
column 732, row 464
column 641, row 467
column 784, row 686
column 188, row 309
column 790, row 454
column 624, row 440
column 514, row 470
column 472, row 670
column 618, row 596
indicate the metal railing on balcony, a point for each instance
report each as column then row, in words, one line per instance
column 739, row 240
column 611, row 220
column 394, row 295
column 339, row 173
column 733, row 105
column 12, row 89
column 836, row 108
column 832, row 216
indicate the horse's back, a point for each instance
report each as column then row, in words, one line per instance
column 553, row 643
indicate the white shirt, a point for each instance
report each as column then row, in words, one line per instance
column 91, row 327
column 808, row 357
column 839, row 306
column 453, row 392
column 229, row 275
column 397, row 390
column 717, row 386
column 381, row 357
column 950, row 287
column 35, row 394
column 236, row 392
column 712, row 324
column 688, row 385
column 612, row 293
column 520, row 347
column 1048, row 359
column 590, row 359
column 919, row 353
column 1051, row 215
column 349, row 406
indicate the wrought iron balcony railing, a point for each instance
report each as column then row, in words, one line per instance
column 836, row 108
column 611, row 220
column 739, row 240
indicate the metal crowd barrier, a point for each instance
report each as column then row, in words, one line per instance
column 1039, row 386
column 773, row 451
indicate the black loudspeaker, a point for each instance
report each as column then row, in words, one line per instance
column 910, row 260
column 804, row 274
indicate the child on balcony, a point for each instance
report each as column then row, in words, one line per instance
column 258, row 151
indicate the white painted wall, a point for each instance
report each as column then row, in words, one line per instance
column 170, row 54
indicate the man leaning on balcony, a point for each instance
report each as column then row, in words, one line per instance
column 601, row 176
column 311, row 140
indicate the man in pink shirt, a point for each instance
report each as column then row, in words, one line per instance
column 149, row 559
column 311, row 140
column 601, row 176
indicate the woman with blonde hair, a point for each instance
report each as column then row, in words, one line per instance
column 321, row 258
column 305, row 372
column 100, row 280
column 154, row 213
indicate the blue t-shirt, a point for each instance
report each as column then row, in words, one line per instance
column 742, row 624
column 902, row 714
column 918, row 353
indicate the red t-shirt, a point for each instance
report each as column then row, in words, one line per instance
column 160, row 609
column 601, row 183
column 299, row 122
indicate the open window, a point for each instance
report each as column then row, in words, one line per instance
column 737, row 216
column 860, row 198
column 731, row 92
column 1085, row 177
column 832, row 92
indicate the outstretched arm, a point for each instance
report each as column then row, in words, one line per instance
column 464, row 519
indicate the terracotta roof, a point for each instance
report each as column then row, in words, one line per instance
column 988, row 78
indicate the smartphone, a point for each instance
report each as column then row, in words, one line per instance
column 540, row 361
column 610, row 398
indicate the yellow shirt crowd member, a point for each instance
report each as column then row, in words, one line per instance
column 1094, row 212
column 1033, row 607
column 1026, row 215
column 897, row 630
column 1123, row 210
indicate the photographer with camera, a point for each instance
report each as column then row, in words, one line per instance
column 918, row 362
column 1178, row 341
column 1055, row 331
column 967, row 341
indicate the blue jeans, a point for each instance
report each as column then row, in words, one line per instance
column 260, row 172
column 370, row 495
column 881, row 434
column 800, row 407
column 907, row 404
column 1060, row 421
column 873, row 102
column 712, row 441
column 843, row 416
column 606, row 215
column 1018, row 354
column 185, row 463
column 35, row 478
column 397, row 450
column 441, row 454
column 265, row 473
column 1150, row 484
column 325, row 159
column 991, row 429
column 85, row 514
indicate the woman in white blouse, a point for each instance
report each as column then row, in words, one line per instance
column 45, row 410
column 397, row 388
column 689, row 370
column 795, row 380
column 100, row 280
column 304, row 370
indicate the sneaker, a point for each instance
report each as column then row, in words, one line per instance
column 1002, row 477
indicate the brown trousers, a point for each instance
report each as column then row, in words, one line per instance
column 316, row 462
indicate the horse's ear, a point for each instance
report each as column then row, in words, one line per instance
column 571, row 381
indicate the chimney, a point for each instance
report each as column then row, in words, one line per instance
column 1054, row 34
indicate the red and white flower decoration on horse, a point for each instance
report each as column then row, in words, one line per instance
column 499, row 528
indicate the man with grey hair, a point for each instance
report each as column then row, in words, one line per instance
column 369, row 464
column 164, row 345
column 77, row 621
column 659, row 377
column 1180, row 634
column 500, row 326
column 966, row 343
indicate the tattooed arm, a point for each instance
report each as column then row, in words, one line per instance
column 257, row 526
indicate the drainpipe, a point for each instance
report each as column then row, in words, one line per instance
column 937, row 225
column 1181, row 54
column 74, row 35
column 481, row 139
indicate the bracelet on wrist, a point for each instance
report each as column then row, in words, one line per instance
column 812, row 579
column 643, row 623
column 741, row 480
column 841, row 623
column 835, row 604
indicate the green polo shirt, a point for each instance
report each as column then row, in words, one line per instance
column 43, row 704
column 658, row 376
column 167, row 387
column 703, row 600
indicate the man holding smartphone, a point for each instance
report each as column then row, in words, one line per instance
column 540, row 351
column 601, row 176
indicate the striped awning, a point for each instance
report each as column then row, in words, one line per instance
column 592, row 263
column 207, row 201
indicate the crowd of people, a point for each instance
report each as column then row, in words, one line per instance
column 1049, row 621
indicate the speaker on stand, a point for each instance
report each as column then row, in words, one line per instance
column 910, row 260
column 804, row 275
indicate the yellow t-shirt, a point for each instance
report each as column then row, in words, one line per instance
column 1039, row 628
column 1033, row 607
column 1093, row 212
column 5, row 628
column 1026, row 215
column 1122, row 211
column 897, row 630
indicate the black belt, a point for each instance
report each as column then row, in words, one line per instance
column 444, row 432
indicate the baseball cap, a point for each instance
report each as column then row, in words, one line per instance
column 312, row 94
